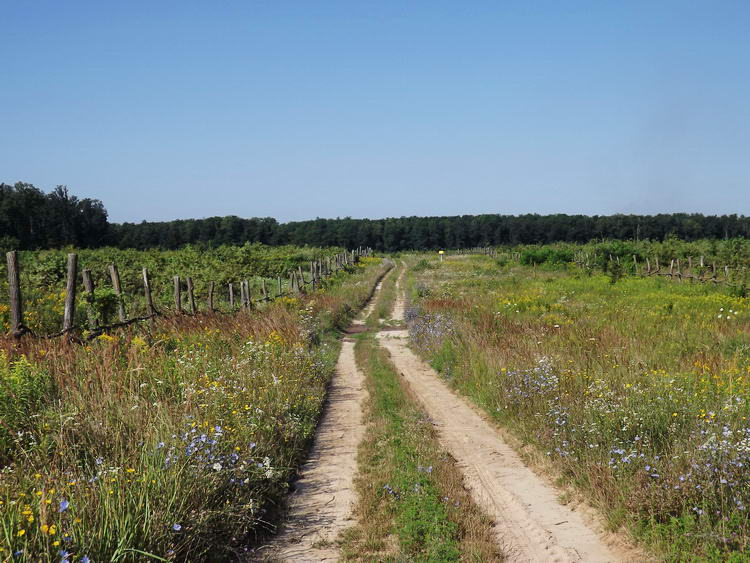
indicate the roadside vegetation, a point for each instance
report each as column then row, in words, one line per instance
column 637, row 390
column 168, row 443
column 412, row 503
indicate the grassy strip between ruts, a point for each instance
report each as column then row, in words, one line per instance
column 386, row 297
column 412, row 503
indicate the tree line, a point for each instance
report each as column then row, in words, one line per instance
column 31, row 219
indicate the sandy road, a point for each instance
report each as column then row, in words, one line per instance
column 530, row 524
column 321, row 504
column 320, row 507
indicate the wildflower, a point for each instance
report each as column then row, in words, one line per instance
column 21, row 532
column 85, row 559
column 217, row 466
column 63, row 505
column 176, row 527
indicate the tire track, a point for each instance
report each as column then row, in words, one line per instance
column 321, row 505
column 531, row 525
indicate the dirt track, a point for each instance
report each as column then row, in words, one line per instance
column 320, row 507
column 531, row 525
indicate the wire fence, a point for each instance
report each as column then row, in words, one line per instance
column 299, row 281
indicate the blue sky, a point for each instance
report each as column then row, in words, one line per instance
column 369, row 109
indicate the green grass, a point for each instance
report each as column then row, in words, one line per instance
column 412, row 504
column 637, row 392
column 385, row 298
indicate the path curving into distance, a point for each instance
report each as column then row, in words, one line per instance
column 530, row 524
column 321, row 505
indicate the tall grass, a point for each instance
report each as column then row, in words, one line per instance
column 638, row 392
column 169, row 444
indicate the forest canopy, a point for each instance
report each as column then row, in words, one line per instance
column 31, row 219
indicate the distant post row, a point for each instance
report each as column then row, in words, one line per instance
column 319, row 269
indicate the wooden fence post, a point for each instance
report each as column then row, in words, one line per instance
column 70, row 293
column 278, row 281
column 301, row 279
column 115, row 276
column 263, row 288
column 191, row 295
column 147, row 292
column 177, row 294
column 88, row 286
column 231, row 296
column 14, row 287
column 247, row 294
column 243, row 294
column 211, row 296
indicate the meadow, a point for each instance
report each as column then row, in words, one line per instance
column 173, row 441
column 632, row 391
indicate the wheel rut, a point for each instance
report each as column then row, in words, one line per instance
column 530, row 524
column 321, row 504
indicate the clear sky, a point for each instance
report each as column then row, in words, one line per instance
column 312, row 108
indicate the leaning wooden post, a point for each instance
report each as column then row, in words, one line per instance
column 70, row 293
column 115, row 276
column 248, row 303
column 147, row 292
column 243, row 294
column 231, row 296
column 191, row 295
column 211, row 296
column 88, row 286
column 14, row 286
column 177, row 294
